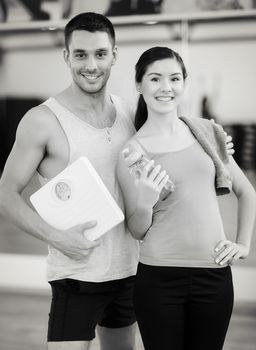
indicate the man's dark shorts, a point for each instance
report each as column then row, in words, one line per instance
column 77, row 307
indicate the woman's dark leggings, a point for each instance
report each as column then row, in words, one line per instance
column 183, row 308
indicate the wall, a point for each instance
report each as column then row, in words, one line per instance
column 224, row 70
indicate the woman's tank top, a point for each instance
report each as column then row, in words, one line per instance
column 187, row 225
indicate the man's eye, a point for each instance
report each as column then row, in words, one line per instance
column 102, row 54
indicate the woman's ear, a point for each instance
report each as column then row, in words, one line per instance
column 138, row 87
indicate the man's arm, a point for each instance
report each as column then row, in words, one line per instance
column 229, row 143
column 29, row 149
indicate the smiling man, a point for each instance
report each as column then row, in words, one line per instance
column 92, row 282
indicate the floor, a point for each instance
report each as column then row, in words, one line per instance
column 23, row 324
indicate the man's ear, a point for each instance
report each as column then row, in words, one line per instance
column 114, row 55
column 66, row 57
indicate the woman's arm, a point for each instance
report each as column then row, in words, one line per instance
column 246, row 197
column 140, row 195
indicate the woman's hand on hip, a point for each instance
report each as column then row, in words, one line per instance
column 228, row 252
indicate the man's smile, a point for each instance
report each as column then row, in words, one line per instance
column 90, row 77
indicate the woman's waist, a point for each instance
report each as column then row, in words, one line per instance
column 188, row 242
column 186, row 222
column 175, row 262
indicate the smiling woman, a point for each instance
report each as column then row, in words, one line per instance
column 158, row 73
column 169, row 78
column 185, row 256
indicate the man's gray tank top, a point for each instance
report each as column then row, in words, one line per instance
column 187, row 225
column 117, row 255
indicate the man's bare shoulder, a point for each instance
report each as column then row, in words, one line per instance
column 39, row 116
column 37, row 124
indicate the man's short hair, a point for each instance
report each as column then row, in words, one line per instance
column 91, row 22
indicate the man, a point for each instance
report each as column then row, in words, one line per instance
column 92, row 282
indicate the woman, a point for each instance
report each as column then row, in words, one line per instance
column 184, row 292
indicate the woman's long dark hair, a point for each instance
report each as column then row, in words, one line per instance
column 148, row 57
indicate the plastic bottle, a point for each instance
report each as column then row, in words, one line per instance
column 137, row 167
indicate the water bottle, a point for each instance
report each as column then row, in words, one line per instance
column 137, row 167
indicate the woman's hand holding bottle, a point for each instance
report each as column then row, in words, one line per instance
column 137, row 162
column 150, row 184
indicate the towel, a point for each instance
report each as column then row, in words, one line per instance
column 212, row 138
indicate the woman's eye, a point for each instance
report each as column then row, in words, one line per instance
column 155, row 79
column 80, row 55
